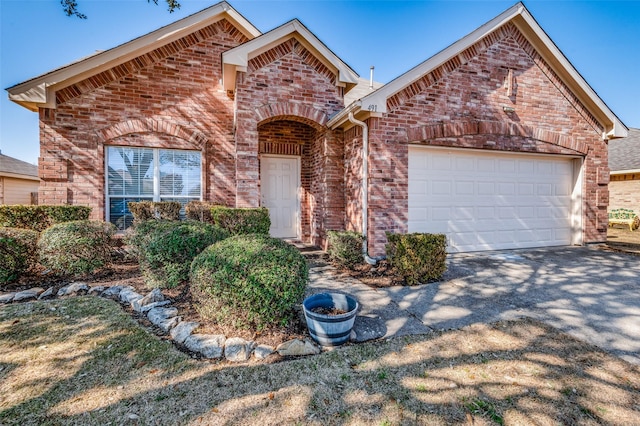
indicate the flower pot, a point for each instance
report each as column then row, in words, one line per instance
column 330, row 329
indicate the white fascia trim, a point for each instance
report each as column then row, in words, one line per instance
column 237, row 59
column 19, row 176
column 625, row 172
column 39, row 91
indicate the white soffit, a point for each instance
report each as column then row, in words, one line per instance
column 237, row 59
column 524, row 21
column 40, row 91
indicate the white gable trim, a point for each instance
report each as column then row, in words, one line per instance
column 518, row 14
column 237, row 59
column 40, row 91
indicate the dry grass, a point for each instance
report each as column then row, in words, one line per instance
column 84, row 361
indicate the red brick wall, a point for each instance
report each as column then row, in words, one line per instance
column 624, row 192
column 168, row 98
column 289, row 83
column 460, row 104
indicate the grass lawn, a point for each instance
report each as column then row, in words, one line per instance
column 84, row 361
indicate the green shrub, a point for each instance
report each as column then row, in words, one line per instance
column 77, row 247
column 165, row 249
column 345, row 248
column 147, row 210
column 242, row 221
column 18, row 252
column 418, row 258
column 38, row 218
column 199, row 210
column 249, row 281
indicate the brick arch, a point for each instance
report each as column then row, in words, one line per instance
column 487, row 127
column 149, row 125
column 292, row 111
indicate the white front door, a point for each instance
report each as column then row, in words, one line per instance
column 279, row 183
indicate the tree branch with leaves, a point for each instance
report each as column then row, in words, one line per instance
column 70, row 7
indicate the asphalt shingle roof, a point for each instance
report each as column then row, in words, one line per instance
column 624, row 154
column 13, row 165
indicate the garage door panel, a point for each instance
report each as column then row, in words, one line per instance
column 490, row 201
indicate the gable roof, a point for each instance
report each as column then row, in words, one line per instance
column 40, row 91
column 518, row 15
column 12, row 167
column 237, row 59
column 624, row 154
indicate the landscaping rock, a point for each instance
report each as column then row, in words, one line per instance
column 154, row 296
column 237, row 349
column 112, row 291
column 165, row 318
column 97, row 290
column 297, row 347
column 146, row 308
column 73, row 289
column 180, row 332
column 47, row 293
column 32, row 293
column 7, row 297
column 209, row 345
column 263, row 351
column 367, row 328
column 128, row 295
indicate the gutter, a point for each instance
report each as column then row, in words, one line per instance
column 365, row 190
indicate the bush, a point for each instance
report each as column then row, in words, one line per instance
column 147, row 210
column 17, row 252
column 242, row 221
column 199, row 210
column 418, row 258
column 249, row 281
column 345, row 248
column 165, row 249
column 38, row 218
column 77, row 247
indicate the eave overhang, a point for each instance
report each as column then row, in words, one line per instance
column 237, row 59
column 518, row 14
column 39, row 92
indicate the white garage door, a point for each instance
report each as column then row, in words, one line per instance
column 490, row 200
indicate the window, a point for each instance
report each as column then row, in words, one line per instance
column 138, row 174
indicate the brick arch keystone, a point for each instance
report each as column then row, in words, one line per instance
column 487, row 127
column 292, row 111
column 150, row 125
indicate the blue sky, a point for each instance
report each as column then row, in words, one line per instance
column 600, row 38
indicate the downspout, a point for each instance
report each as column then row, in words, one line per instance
column 365, row 190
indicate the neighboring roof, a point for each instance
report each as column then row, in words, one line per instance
column 40, row 91
column 518, row 15
column 12, row 167
column 237, row 59
column 624, row 154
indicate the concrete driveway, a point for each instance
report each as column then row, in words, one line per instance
column 591, row 294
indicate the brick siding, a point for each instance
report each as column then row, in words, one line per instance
column 624, row 192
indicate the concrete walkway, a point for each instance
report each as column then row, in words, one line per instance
column 591, row 294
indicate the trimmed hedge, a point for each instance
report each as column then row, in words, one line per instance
column 38, row 218
column 418, row 258
column 242, row 221
column 345, row 248
column 147, row 210
column 199, row 210
column 165, row 249
column 77, row 247
column 18, row 252
column 249, row 281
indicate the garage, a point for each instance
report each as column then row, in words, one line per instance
column 494, row 200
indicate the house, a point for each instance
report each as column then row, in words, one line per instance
column 18, row 181
column 624, row 162
column 496, row 141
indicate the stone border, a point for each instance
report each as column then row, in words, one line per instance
column 157, row 310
